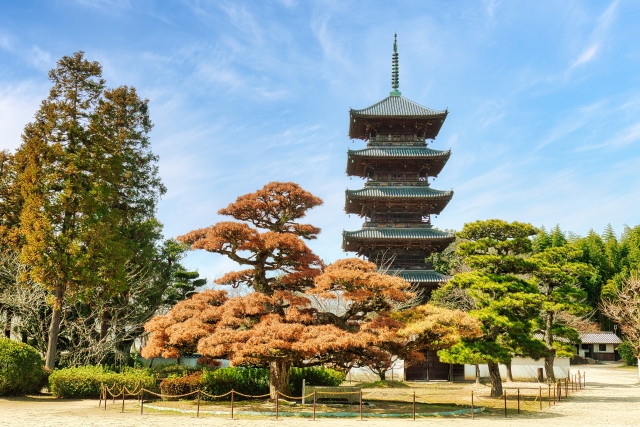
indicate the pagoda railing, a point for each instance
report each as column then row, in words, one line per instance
column 396, row 138
column 397, row 224
column 396, row 182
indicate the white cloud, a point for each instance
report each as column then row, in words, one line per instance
column 623, row 138
column 597, row 38
column 106, row 5
column 587, row 55
column 18, row 103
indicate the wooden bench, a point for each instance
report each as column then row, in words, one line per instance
column 335, row 394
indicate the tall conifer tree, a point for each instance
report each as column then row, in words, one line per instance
column 89, row 186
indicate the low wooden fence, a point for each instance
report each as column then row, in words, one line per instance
column 554, row 394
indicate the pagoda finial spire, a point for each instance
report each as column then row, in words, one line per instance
column 395, row 73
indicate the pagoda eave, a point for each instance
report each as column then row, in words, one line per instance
column 428, row 127
column 375, row 238
column 363, row 166
column 363, row 205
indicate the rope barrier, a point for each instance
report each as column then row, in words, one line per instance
column 295, row 398
column 168, row 395
column 217, row 397
column 251, row 396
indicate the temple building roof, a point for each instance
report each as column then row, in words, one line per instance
column 396, row 233
column 424, row 160
column 399, row 152
column 398, row 106
column 400, row 192
column 420, row 276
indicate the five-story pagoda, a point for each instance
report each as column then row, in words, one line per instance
column 397, row 200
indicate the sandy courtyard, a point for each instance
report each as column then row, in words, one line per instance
column 612, row 398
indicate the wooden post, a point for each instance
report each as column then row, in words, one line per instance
column 105, row 398
column 304, row 391
column 101, row 391
column 518, row 401
column 559, row 391
column 360, row 404
column 232, row 396
column 540, row 397
column 198, row 410
column 505, row 404
column 122, row 399
column 314, row 405
column 277, row 403
column 472, row 411
column 549, row 397
column 566, row 386
column 414, row 406
column 141, row 401
column 579, row 380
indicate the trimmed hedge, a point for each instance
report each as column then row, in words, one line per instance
column 314, row 376
column 21, row 368
column 84, row 382
column 252, row 381
column 181, row 385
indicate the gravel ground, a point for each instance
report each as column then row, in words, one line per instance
column 612, row 398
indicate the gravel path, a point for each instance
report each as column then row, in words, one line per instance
column 612, row 398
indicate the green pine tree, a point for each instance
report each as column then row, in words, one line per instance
column 557, row 275
column 505, row 303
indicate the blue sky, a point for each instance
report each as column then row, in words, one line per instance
column 544, row 98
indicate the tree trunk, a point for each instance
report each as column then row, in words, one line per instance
column 509, row 373
column 279, row 377
column 548, row 366
column 477, row 374
column 548, row 340
column 496, row 379
column 105, row 323
column 54, row 330
column 382, row 373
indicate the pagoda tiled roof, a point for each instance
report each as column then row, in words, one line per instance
column 398, row 106
column 410, row 192
column 421, row 276
column 399, row 151
column 384, row 233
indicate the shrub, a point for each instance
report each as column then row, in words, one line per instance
column 21, row 368
column 84, row 382
column 251, row 381
column 181, row 385
column 169, row 371
column 314, row 376
column 626, row 352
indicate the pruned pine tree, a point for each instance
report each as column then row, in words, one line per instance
column 505, row 303
column 279, row 324
column 557, row 275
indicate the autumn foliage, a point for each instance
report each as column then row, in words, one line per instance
column 301, row 313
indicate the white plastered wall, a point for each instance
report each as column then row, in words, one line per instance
column 522, row 368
